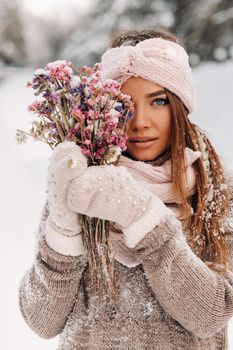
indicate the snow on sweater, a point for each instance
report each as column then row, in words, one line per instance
column 172, row 300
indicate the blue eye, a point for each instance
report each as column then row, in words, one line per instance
column 160, row 101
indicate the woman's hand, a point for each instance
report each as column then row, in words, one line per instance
column 111, row 193
column 66, row 163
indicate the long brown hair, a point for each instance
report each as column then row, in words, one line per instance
column 210, row 203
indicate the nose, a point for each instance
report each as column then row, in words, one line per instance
column 139, row 120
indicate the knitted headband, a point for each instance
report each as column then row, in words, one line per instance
column 158, row 60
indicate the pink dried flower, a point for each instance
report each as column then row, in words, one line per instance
column 60, row 69
column 86, row 152
column 93, row 113
column 77, row 113
column 87, row 142
column 79, row 107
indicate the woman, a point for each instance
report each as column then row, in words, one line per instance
column 168, row 201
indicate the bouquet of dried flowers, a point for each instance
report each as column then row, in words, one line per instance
column 76, row 105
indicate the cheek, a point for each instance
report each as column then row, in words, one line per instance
column 167, row 131
column 164, row 125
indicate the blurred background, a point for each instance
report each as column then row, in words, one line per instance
column 35, row 32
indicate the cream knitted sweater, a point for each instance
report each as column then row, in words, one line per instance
column 171, row 301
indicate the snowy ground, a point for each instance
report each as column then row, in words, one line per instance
column 23, row 177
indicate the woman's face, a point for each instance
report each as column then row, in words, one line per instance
column 152, row 119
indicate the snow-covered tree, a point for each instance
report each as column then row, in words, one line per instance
column 107, row 17
column 208, row 32
column 205, row 26
column 12, row 45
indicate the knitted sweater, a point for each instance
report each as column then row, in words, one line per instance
column 171, row 301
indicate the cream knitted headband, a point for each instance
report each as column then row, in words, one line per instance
column 158, row 60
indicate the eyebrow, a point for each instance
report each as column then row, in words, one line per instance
column 155, row 93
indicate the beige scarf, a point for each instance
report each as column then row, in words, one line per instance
column 156, row 179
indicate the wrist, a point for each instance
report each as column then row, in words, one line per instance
column 62, row 218
column 156, row 212
column 62, row 241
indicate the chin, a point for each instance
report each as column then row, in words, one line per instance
column 143, row 156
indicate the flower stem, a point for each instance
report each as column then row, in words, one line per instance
column 97, row 245
column 59, row 128
column 36, row 138
column 66, row 123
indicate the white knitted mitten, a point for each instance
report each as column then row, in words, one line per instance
column 111, row 193
column 62, row 227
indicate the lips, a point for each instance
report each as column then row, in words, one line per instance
column 142, row 142
column 142, row 139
